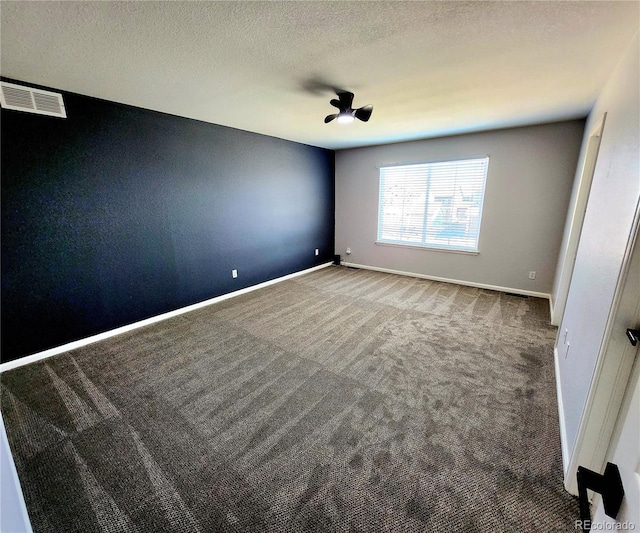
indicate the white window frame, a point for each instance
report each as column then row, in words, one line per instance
column 417, row 228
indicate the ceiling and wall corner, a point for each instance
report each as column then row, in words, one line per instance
column 428, row 68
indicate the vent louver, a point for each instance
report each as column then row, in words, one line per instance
column 21, row 98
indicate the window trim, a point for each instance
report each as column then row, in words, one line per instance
column 432, row 161
column 429, row 247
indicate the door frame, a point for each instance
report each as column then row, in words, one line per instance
column 608, row 384
column 629, row 474
column 577, row 219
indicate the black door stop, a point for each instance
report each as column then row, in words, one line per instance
column 608, row 484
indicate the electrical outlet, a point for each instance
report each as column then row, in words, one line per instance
column 234, row 273
column 317, row 251
column 532, row 274
column 348, row 251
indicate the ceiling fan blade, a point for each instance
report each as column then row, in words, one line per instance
column 364, row 113
column 329, row 118
column 336, row 103
column 346, row 99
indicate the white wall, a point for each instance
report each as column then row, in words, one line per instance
column 608, row 222
column 13, row 512
column 531, row 172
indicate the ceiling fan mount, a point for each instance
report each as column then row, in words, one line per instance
column 346, row 113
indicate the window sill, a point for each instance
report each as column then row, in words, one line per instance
column 429, row 248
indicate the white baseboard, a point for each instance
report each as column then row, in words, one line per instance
column 448, row 280
column 118, row 331
column 563, row 427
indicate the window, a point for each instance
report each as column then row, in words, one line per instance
column 433, row 205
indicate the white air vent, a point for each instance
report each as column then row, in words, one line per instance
column 23, row 98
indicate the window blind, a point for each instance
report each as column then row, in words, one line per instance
column 435, row 205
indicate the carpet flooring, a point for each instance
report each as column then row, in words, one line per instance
column 342, row 400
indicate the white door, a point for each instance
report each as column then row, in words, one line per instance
column 625, row 453
column 624, row 447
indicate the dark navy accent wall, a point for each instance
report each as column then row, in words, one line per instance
column 117, row 214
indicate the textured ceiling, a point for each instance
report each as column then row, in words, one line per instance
column 428, row 68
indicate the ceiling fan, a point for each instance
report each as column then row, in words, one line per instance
column 347, row 113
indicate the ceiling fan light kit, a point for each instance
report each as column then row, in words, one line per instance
column 345, row 118
column 347, row 114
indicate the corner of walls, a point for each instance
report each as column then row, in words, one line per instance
column 555, row 320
